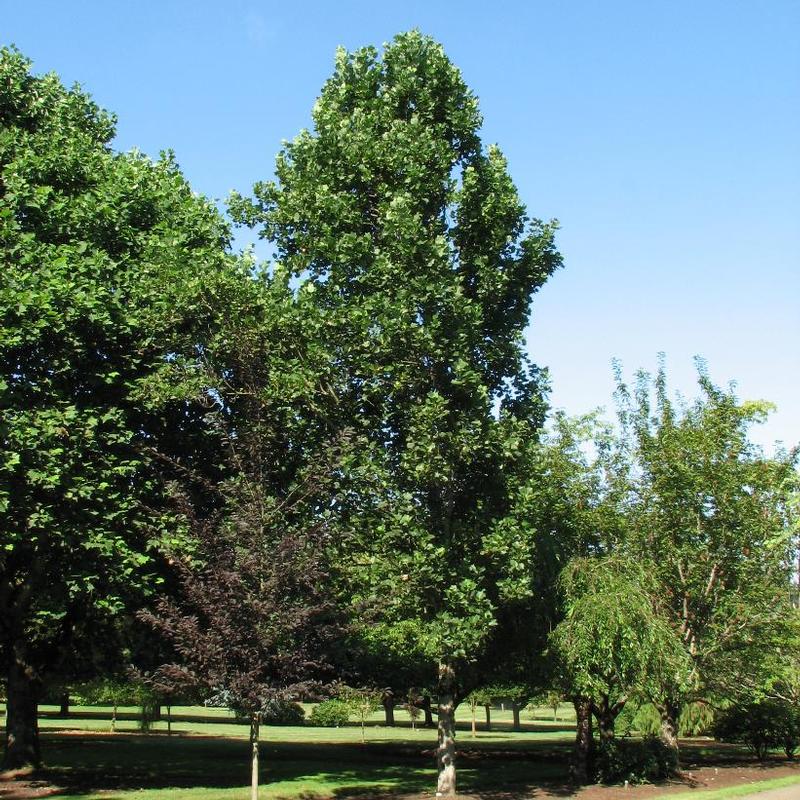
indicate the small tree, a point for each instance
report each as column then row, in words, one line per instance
column 362, row 702
column 250, row 618
column 712, row 517
column 476, row 698
column 413, row 707
column 761, row 726
column 114, row 691
column 551, row 698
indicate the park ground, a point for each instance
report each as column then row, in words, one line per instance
column 206, row 758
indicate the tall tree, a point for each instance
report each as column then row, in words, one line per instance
column 411, row 240
column 107, row 264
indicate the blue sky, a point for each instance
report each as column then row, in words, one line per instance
column 663, row 136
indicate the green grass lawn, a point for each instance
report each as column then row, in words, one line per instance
column 208, row 756
column 536, row 722
column 186, row 766
column 736, row 791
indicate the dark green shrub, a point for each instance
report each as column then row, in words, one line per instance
column 644, row 760
column 762, row 726
column 282, row 712
column 330, row 714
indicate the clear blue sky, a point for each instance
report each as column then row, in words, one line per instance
column 665, row 136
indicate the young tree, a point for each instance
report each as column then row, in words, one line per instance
column 415, row 251
column 363, row 703
column 412, row 707
column 475, row 699
column 250, row 620
column 108, row 262
column 712, row 520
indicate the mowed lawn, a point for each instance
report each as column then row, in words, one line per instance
column 210, row 759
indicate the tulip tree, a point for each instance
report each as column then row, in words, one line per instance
column 419, row 260
column 106, row 261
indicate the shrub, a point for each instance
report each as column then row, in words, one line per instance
column 330, row 714
column 761, row 727
column 282, row 712
column 637, row 761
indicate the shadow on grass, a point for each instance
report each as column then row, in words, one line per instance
column 83, row 764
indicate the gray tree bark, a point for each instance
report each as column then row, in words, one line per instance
column 255, row 721
column 446, row 748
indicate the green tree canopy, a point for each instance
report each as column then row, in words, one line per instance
column 414, row 247
column 109, row 262
column 712, row 516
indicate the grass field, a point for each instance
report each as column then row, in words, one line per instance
column 537, row 721
column 207, row 758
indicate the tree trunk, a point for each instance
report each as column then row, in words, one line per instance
column 22, row 725
column 114, row 719
column 255, row 720
column 388, row 707
column 670, row 711
column 582, row 764
column 446, row 748
column 515, row 709
column 605, row 719
column 427, row 711
column 169, row 720
column 487, row 708
column 63, row 711
column 474, row 724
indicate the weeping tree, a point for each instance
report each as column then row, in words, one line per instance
column 409, row 241
column 613, row 642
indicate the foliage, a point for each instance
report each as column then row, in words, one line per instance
column 636, row 761
column 551, row 698
column 333, row 713
column 362, row 702
column 761, row 726
column 410, row 246
column 614, row 639
column 697, row 719
column 114, row 691
column 412, row 707
column 282, row 712
column 712, row 521
column 250, row 617
column 418, row 246
column 108, row 264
